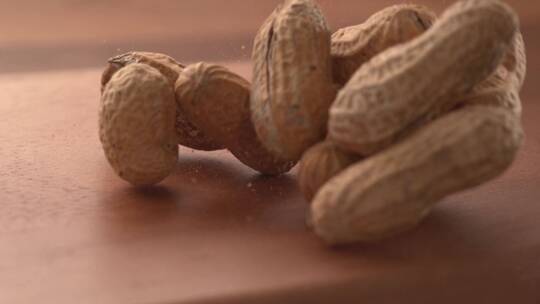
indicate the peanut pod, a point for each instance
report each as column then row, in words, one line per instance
column 216, row 101
column 292, row 79
column 319, row 164
column 422, row 78
column 502, row 88
column 394, row 190
column 355, row 45
column 136, row 124
column 187, row 134
column 165, row 64
column 431, row 163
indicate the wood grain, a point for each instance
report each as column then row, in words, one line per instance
column 215, row 231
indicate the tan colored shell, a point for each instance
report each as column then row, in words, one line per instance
column 319, row 164
column 292, row 79
column 355, row 45
column 216, row 101
column 165, row 64
column 393, row 190
column 502, row 88
column 188, row 135
column 136, row 124
column 427, row 75
column 389, row 214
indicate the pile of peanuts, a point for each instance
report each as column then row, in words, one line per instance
column 385, row 118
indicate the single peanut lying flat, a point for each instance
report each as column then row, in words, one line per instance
column 188, row 135
column 292, row 79
column 393, row 190
column 424, row 77
column 216, row 101
column 136, row 124
column 355, row 45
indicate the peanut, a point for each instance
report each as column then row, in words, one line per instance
column 292, row 79
column 355, row 45
column 166, row 65
column 427, row 108
column 188, row 135
column 216, row 101
column 502, row 88
column 320, row 163
column 427, row 75
column 136, row 124
column 393, row 190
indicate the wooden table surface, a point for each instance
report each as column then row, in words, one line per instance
column 216, row 232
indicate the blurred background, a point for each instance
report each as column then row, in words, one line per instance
column 38, row 35
column 65, row 34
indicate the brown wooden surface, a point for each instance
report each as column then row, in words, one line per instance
column 215, row 232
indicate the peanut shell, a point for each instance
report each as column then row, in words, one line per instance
column 392, row 191
column 355, row 45
column 502, row 88
column 319, row 164
column 216, row 101
column 292, row 79
column 421, row 78
column 166, row 65
column 188, row 135
column 136, row 124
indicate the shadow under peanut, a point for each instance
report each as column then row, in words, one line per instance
column 207, row 190
column 212, row 193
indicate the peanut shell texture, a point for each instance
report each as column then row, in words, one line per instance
column 503, row 86
column 319, row 164
column 136, row 124
column 394, row 190
column 216, row 101
column 355, row 45
column 421, row 78
column 292, row 79
column 165, row 64
column 188, row 135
